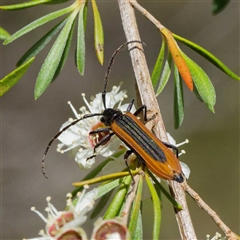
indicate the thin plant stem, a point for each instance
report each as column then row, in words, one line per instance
column 148, row 98
column 145, row 13
column 195, row 196
column 129, row 199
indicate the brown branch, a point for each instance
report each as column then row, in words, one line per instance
column 145, row 13
column 147, row 96
column 227, row 231
column 191, row 192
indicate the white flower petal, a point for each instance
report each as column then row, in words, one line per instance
column 60, row 223
column 113, row 99
column 85, row 202
column 82, row 158
column 76, row 222
column 171, row 139
column 111, row 148
column 114, row 236
column 186, row 170
column 77, row 136
column 97, row 104
column 70, row 136
column 41, row 238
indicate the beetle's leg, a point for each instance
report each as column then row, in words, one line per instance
column 169, row 145
column 130, row 106
column 100, row 130
column 94, row 155
column 105, row 138
column 143, row 109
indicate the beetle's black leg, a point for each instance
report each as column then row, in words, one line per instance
column 130, row 106
column 100, row 130
column 143, row 109
column 105, row 138
column 94, row 155
column 169, row 145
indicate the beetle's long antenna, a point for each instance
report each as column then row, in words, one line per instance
column 59, row 133
column 110, row 66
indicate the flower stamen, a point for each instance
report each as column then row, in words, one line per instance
column 73, row 109
column 39, row 214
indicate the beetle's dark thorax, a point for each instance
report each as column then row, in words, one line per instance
column 110, row 115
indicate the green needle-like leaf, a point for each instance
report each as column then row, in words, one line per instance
column 209, row 56
column 138, row 234
column 12, row 78
column 85, row 14
column 23, row 5
column 165, row 192
column 39, row 45
column 118, row 199
column 135, row 209
column 3, row 34
column 219, row 5
column 202, row 83
column 104, row 178
column 52, row 61
column 38, row 22
column 165, row 74
column 101, row 204
column 80, row 56
column 65, row 52
column 156, row 207
column 95, row 171
column 107, row 187
column 57, row 1
column 158, row 65
column 98, row 33
column 178, row 99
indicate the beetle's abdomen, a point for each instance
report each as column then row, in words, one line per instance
column 140, row 138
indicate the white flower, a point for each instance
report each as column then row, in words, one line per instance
column 110, row 229
column 186, row 170
column 60, row 224
column 216, row 237
column 78, row 138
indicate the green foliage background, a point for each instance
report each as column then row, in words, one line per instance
column 28, row 125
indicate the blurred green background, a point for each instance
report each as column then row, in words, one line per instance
column 28, row 125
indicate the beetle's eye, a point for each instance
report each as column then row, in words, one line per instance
column 102, row 119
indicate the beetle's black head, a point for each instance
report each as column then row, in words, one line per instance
column 178, row 177
column 109, row 115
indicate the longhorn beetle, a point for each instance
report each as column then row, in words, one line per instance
column 152, row 152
